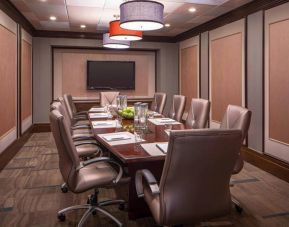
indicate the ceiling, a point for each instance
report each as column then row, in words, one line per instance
column 96, row 14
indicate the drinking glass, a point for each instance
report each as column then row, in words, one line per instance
column 138, row 135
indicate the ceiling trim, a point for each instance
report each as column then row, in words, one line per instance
column 234, row 15
column 7, row 7
column 94, row 35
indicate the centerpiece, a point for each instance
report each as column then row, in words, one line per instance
column 127, row 113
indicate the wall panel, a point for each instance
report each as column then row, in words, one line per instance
column 277, row 82
column 8, row 73
column 255, row 79
column 226, row 69
column 189, row 69
column 72, row 80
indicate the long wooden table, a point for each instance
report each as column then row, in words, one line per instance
column 134, row 158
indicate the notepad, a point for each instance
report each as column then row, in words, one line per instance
column 163, row 121
column 106, row 124
column 163, row 147
column 152, row 149
column 98, row 115
column 116, row 137
column 97, row 109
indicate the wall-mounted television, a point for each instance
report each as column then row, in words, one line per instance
column 110, row 75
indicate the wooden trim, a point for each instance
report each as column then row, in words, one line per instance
column 230, row 17
column 98, row 36
column 267, row 163
column 41, row 127
column 7, row 7
column 13, row 149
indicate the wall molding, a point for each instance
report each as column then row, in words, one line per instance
column 41, row 127
column 267, row 163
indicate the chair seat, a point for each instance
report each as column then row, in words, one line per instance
column 87, row 150
column 82, row 122
column 100, row 174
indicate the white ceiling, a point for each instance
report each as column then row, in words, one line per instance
column 96, row 14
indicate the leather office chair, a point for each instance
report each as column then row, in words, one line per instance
column 81, row 176
column 159, row 102
column 198, row 114
column 194, row 185
column 237, row 117
column 72, row 108
column 177, row 108
column 108, row 98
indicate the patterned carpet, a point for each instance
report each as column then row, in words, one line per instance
column 30, row 194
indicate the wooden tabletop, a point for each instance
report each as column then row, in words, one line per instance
column 128, row 153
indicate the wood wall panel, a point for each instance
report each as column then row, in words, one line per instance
column 26, row 80
column 70, row 71
column 8, row 70
column 279, row 81
column 226, row 74
column 189, row 74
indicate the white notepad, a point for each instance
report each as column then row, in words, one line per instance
column 97, row 109
column 98, row 115
column 163, row 147
column 163, row 121
column 106, row 124
column 152, row 149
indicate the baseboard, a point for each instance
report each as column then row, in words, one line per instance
column 271, row 165
column 13, row 148
column 41, row 127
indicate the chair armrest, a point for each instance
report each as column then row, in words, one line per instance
column 102, row 159
column 85, row 143
column 80, row 127
column 150, row 179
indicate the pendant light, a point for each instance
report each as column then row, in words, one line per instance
column 141, row 15
column 111, row 43
column 118, row 33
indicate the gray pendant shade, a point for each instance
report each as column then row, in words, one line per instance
column 111, row 43
column 141, row 15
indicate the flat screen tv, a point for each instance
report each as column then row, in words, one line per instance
column 110, row 75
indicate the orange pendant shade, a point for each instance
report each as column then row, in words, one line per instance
column 118, row 33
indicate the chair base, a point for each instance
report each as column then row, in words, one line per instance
column 237, row 205
column 92, row 207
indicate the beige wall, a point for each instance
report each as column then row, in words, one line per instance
column 68, row 79
column 166, row 75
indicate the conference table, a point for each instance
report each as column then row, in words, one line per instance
column 134, row 157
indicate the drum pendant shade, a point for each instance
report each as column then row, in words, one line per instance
column 117, row 44
column 118, row 33
column 141, row 15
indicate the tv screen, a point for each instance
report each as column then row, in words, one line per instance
column 110, row 75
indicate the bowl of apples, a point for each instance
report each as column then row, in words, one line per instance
column 127, row 113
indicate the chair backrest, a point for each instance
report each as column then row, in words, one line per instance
column 159, row 102
column 194, row 185
column 177, row 108
column 54, row 105
column 68, row 157
column 237, row 117
column 69, row 104
column 198, row 114
column 63, row 111
column 108, row 98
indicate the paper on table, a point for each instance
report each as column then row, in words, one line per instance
column 97, row 109
column 163, row 121
column 106, row 124
column 152, row 149
column 98, row 115
column 129, row 138
column 163, row 147
column 116, row 137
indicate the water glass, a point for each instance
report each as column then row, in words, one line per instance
column 138, row 135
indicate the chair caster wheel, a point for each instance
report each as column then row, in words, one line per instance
column 93, row 212
column 61, row 217
column 64, row 188
column 121, row 206
column 238, row 209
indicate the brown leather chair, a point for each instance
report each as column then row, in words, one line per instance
column 198, row 114
column 82, row 115
column 237, row 117
column 159, row 102
column 108, row 98
column 194, row 185
column 81, row 176
column 177, row 108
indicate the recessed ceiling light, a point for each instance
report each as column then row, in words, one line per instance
column 192, row 9
column 83, row 26
column 167, row 25
column 52, row 18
